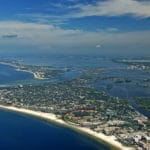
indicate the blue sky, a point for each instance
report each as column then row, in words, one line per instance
column 75, row 26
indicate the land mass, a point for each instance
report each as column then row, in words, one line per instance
column 82, row 106
column 76, row 104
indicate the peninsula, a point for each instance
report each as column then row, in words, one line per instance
column 39, row 72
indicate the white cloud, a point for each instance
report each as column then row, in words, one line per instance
column 48, row 37
column 98, row 46
column 44, row 18
column 115, row 8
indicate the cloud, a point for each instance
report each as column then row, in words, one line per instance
column 43, row 37
column 43, row 18
column 9, row 36
column 98, row 46
column 115, row 8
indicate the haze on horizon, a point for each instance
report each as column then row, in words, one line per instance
column 75, row 26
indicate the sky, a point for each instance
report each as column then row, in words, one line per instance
column 75, row 26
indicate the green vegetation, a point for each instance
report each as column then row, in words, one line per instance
column 143, row 103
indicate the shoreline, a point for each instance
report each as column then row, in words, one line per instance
column 109, row 141
column 36, row 75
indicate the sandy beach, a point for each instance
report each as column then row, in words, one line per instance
column 35, row 74
column 111, row 140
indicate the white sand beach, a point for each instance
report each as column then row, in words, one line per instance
column 52, row 117
column 36, row 75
